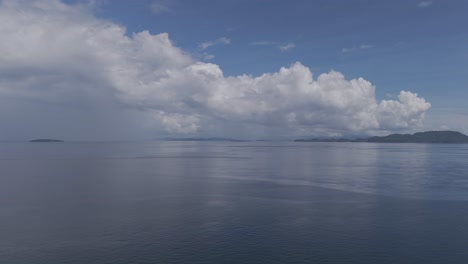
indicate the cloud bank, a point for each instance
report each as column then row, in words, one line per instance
column 60, row 61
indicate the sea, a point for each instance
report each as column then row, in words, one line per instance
column 233, row 202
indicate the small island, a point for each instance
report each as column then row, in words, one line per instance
column 432, row 137
column 46, row 140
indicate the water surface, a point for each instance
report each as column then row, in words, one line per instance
column 243, row 202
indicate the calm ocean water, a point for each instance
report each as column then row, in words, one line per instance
column 245, row 202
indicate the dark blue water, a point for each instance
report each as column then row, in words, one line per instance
column 212, row 202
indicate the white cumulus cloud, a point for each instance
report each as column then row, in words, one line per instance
column 55, row 54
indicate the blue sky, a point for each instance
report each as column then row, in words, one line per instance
column 415, row 45
column 191, row 81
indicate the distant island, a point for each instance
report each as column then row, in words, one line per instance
column 206, row 139
column 46, row 140
column 448, row 137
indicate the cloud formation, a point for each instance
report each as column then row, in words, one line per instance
column 64, row 56
column 424, row 3
column 287, row 46
column 160, row 7
column 220, row 41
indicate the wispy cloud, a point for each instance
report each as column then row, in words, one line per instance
column 287, row 47
column 263, row 43
column 207, row 56
column 220, row 41
column 346, row 50
column 160, row 7
column 357, row 48
column 366, row 46
column 425, row 3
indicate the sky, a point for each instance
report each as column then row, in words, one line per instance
column 148, row 69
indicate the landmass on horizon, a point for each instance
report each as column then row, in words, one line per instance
column 449, row 137
column 46, row 140
column 205, row 139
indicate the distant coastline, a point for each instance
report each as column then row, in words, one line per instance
column 206, row 139
column 46, row 140
column 433, row 137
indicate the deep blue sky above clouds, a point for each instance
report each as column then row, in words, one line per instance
column 404, row 45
